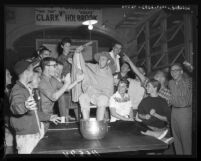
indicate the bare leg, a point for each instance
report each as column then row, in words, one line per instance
column 85, row 113
column 102, row 102
column 84, row 101
column 100, row 113
column 76, row 113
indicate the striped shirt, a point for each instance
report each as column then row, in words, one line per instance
column 165, row 93
column 181, row 92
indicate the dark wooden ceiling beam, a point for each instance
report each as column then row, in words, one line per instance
column 151, row 15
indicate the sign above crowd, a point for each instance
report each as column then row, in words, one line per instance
column 66, row 16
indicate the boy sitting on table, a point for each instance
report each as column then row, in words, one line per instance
column 120, row 103
column 153, row 111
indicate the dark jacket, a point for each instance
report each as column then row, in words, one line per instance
column 22, row 120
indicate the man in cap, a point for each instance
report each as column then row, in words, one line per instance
column 22, row 105
column 97, row 85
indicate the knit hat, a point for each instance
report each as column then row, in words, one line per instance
column 21, row 66
column 104, row 53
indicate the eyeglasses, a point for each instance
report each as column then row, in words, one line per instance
column 54, row 65
column 176, row 70
column 117, row 48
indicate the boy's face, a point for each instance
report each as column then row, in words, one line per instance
column 45, row 54
column 125, row 68
column 66, row 47
column 103, row 61
column 122, row 88
column 51, row 67
column 35, row 80
column 150, row 88
column 117, row 49
column 176, row 72
column 159, row 77
column 29, row 73
column 58, row 70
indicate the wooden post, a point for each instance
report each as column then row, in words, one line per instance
column 188, row 46
column 148, row 57
column 164, row 46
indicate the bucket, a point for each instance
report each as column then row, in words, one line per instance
column 92, row 129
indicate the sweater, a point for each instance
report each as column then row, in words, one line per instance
column 22, row 120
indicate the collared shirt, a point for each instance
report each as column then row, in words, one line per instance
column 181, row 92
column 48, row 86
column 67, row 66
column 116, row 61
column 121, row 105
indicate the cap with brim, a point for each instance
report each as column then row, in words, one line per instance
column 21, row 66
column 104, row 53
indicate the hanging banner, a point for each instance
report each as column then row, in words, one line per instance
column 66, row 16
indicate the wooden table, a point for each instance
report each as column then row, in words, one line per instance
column 63, row 139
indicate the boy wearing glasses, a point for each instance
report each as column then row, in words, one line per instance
column 120, row 103
column 50, row 88
column 181, row 117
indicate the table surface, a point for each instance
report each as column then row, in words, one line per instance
column 121, row 137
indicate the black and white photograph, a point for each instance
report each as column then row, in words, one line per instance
column 100, row 81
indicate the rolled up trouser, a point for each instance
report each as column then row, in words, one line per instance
column 98, row 100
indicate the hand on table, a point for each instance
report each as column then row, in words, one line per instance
column 55, row 119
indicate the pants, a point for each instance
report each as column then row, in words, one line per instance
column 64, row 103
column 181, row 122
column 26, row 143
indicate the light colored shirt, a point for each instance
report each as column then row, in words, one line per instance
column 136, row 92
column 121, row 105
column 116, row 61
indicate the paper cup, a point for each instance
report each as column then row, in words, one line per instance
column 63, row 119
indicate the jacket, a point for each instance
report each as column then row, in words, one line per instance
column 22, row 120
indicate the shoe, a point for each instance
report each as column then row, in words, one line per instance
column 71, row 118
column 163, row 134
column 137, row 119
column 168, row 140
